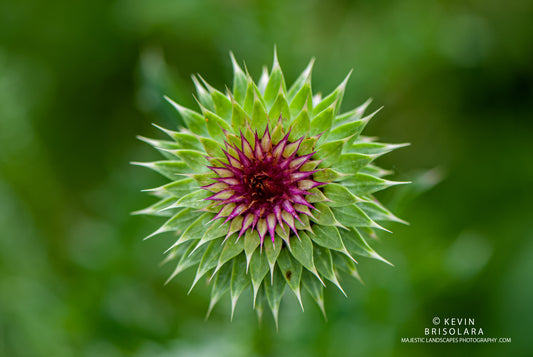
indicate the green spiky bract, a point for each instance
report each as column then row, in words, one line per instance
column 271, row 187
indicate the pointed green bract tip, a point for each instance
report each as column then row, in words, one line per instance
column 271, row 186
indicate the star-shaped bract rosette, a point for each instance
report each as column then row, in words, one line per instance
column 270, row 187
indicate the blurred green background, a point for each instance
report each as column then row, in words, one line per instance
column 78, row 81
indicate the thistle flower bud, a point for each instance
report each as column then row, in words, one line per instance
column 270, row 187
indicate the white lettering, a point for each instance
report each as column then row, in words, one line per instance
column 459, row 321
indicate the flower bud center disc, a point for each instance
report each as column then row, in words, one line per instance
column 263, row 186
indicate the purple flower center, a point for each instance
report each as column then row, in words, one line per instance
column 262, row 186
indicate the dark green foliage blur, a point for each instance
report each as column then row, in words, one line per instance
column 80, row 79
